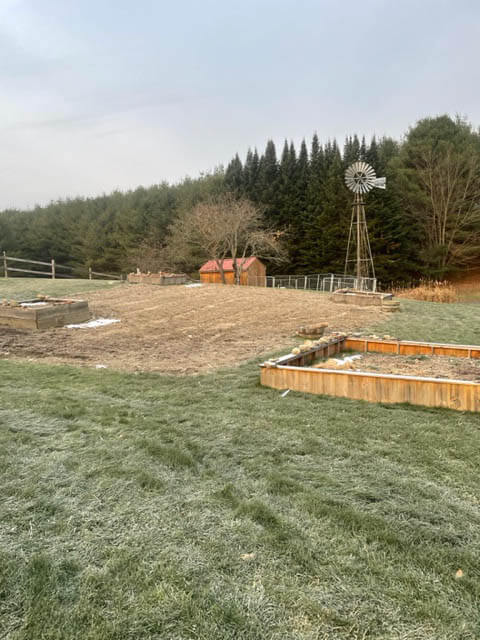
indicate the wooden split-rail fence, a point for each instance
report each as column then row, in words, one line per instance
column 55, row 270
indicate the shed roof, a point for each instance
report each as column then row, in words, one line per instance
column 211, row 265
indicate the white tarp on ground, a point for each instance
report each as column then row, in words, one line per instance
column 33, row 304
column 92, row 324
column 194, row 284
column 347, row 360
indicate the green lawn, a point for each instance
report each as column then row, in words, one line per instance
column 435, row 322
column 143, row 506
column 24, row 288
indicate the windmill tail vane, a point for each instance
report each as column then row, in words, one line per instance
column 360, row 178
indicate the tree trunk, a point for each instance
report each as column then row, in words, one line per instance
column 221, row 269
column 237, row 270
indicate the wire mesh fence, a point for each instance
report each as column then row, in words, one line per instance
column 326, row 282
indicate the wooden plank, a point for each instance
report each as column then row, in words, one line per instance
column 374, row 387
column 28, row 322
column 46, row 264
column 107, row 275
column 63, row 318
column 41, row 273
column 65, row 309
column 16, row 312
column 415, row 349
column 407, row 347
column 318, row 351
column 457, row 352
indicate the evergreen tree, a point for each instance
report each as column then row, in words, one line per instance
column 234, row 178
column 392, row 237
column 351, row 150
column 362, row 153
column 268, row 173
column 299, row 213
column 250, row 175
column 268, row 182
column 371, row 155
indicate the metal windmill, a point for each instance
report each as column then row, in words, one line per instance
column 360, row 178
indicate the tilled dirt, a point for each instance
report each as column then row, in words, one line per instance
column 422, row 366
column 183, row 330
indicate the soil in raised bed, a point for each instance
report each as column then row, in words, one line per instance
column 421, row 366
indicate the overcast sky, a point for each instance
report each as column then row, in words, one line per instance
column 110, row 94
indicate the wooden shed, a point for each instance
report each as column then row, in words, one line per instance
column 253, row 272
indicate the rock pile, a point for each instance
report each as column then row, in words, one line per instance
column 312, row 330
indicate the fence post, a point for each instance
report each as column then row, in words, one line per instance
column 374, row 285
column 305, row 285
column 318, row 281
column 331, row 283
column 53, row 269
column 273, row 283
column 5, row 268
column 89, row 273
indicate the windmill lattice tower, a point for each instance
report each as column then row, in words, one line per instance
column 360, row 178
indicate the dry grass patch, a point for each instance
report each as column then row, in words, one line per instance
column 430, row 291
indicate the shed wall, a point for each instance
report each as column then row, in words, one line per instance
column 251, row 277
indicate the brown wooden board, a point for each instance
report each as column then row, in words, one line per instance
column 407, row 348
column 375, row 387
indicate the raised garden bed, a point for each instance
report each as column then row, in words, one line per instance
column 43, row 313
column 298, row 372
column 363, row 298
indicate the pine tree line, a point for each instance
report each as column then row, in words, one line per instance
column 304, row 194
column 304, row 197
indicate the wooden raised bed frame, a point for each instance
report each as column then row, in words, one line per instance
column 293, row 372
column 57, row 312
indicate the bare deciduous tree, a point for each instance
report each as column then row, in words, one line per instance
column 446, row 202
column 147, row 256
column 452, row 181
column 225, row 227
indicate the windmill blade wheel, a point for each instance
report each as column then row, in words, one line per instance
column 360, row 177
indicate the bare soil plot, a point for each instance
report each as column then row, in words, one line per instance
column 424, row 366
column 185, row 329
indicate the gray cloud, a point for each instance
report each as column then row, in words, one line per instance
column 97, row 96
